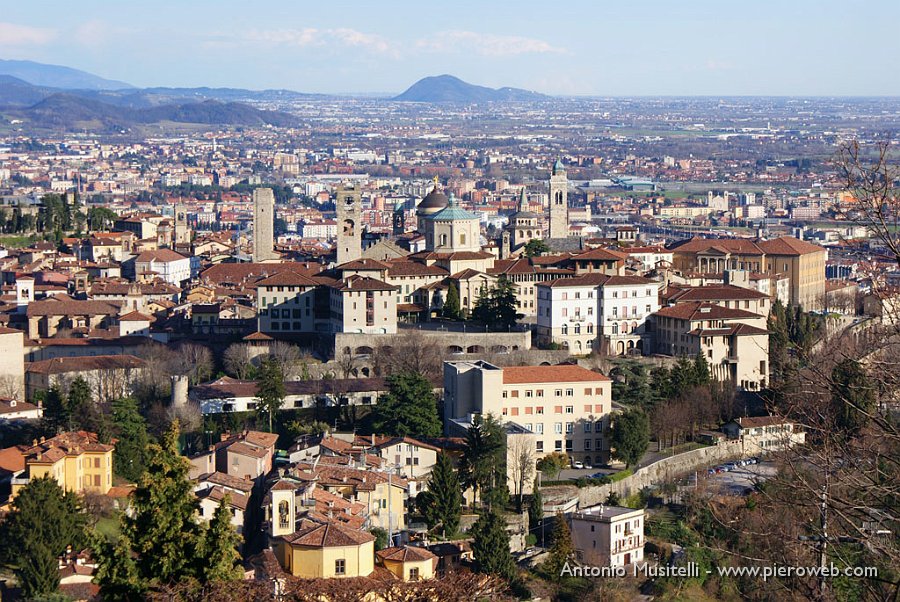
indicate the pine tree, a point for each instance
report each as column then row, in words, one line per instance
column 56, row 412
column 701, row 370
column 409, row 408
column 853, row 397
column 270, row 389
column 219, row 558
column 562, row 550
column 161, row 531
column 451, row 308
column 535, row 507
column 131, row 434
column 630, row 436
column 490, row 546
column 80, row 404
column 483, row 464
column 44, row 520
column 443, row 504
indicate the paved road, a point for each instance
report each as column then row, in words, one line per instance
column 576, row 473
column 736, row 482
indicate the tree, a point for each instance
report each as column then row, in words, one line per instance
column 219, row 559
column 80, row 403
column 483, row 463
column 381, row 537
column 630, row 436
column 535, row 507
column 56, row 412
column 410, row 352
column 43, row 522
column 196, row 362
column 442, row 502
column 238, row 360
column 701, row 370
column 562, row 551
column 496, row 307
column 270, row 390
column 451, row 309
column 853, row 396
column 536, row 247
column 130, row 430
column 409, row 408
column 490, row 546
column 552, row 464
column 521, row 468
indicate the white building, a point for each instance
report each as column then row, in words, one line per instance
column 325, row 229
column 608, row 536
column 166, row 264
column 596, row 312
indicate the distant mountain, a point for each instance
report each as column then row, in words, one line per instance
column 447, row 88
column 64, row 110
column 57, row 76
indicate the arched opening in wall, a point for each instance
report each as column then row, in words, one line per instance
column 630, row 345
column 364, row 350
column 640, row 346
column 578, row 346
column 587, row 461
column 559, row 197
column 499, row 349
column 455, row 349
column 620, row 348
column 349, row 227
column 475, row 349
column 545, row 363
column 442, row 240
column 565, row 344
column 515, row 347
column 366, row 372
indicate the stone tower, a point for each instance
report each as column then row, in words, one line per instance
column 559, row 201
column 263, row 225
column 348, row 202
column 182, row 231
column 399, row 218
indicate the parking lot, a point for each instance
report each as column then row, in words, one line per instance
column 577, row 473
column 742, row 479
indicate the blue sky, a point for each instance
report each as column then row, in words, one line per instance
column 631, row 47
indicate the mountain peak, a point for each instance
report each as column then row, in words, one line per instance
column 449, row 88
column 57, row 76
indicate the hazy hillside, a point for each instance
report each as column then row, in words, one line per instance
column 447, row 88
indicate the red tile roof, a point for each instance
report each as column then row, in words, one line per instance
column 62, row 365
column 515, row 375
column 696, row 310
column 328, row 535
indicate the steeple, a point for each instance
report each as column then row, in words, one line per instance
column 558, row 168
column 523, row 201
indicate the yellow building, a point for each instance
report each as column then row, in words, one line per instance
column 75, row 460
column 326, row 550
column 408, row 563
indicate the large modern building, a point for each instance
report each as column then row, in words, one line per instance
column 566, row 407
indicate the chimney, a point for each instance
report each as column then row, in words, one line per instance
column 42, row 439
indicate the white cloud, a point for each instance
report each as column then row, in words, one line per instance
column 12, row 34
column 490, row 45
column 312, row 37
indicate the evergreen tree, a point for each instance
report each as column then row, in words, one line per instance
column 130, row 459
column 409, row 408
column 44, row 520
column 497, row 307
column 80, row 405
column 535, row 507
column 270, row 389
column 483, row 463
column 682, row 376
column 701, row 370
column 443, row 502
column 853, row 397
column 161, row 530
column 452, row 310
column 630, row 436
column 536, row 247
column 562, row 550
column 490, row 546
column 219, row 559
column 56, row 412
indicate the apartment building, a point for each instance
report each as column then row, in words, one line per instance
column 76, row 460
column 608, row 536
column 363, row 305
column 597, row 312
column 735, row 342
column 724, row 295
column 764, row 434
column 286, row 302
column 166, row 264
column 566, row 407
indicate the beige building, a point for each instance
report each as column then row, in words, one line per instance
column 286, row 303
column 765, row 434
column 109, row 376
column 363, row 305
column 608, row 536
column 734, row 342
column 77, row 461
column 408, row 563
column 802, row 262
column 12, row 363
column 566, row 407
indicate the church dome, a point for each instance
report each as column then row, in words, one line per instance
column 558, row 167
column 433, row 202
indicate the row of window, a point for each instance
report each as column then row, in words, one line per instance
column 589, row 427
column 557, row 393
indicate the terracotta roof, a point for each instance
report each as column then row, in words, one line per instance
column 232, row 387
column 244, row 449
column 740, row 246
column 135, row 316
column 600, row 254
column 12, row 459
column 405, row 554
column 717, row 292
column 217, row 494
column 260, row 438
column 363, row 264
column 413, row 268
column 8, row 406
column 515, row 375
column 62, row 365
column 696, row 310
column 226, row 480
column 363, row 283
column 66, row 306
column 162, row 255
column 72, row 443
column 328, row 535
column 287, row 278
column 788, row 245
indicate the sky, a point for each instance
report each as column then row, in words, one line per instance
column 576, row 47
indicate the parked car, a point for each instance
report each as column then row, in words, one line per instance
column 577, row 465
column 597, row 475
column 730, row 466
column 587, row 465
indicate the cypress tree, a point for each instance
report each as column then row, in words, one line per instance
column 535, row 507
column 56, row 412
column 444, row 500
column 219, row 558
column 701, row 370
column 562, row 550
column 131, row 433
column 452, row 309
column 490, row 546
column 270, row 390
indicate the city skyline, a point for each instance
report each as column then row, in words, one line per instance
column 652, row 49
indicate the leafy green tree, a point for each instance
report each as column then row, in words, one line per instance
column 442, row 504
column 853, row 396
column 562, row 550
column 381, row 536
column 219, row 559
column 535, row 507
column 162, row 537
column 497, row 307
column 630, row 436
column 490, row 546
column 270, row 389
column 409, row 408
column 130, row 430
column 552, row 464
column 536, row 247
column 451, row 309
column 43, row 521
column 483, row 463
